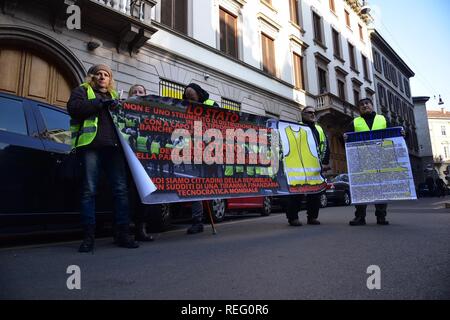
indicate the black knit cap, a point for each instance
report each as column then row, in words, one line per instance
column 202, row 94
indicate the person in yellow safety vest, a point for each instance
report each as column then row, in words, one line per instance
column 141, row 143
column 194, row 92
column 323, row 151
column 251, row 148
column 155, row 148
column 368, row 121
column 169, row 146
column 130, row 122
column 239, row 168
column 95, row 140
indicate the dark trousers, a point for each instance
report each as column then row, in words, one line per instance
column 293, row 206
column 380, row 210
column 197, row 212
column 111, row 159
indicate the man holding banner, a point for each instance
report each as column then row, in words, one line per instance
column 312, row 199
column 368, row 121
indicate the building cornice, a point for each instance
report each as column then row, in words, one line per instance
column 384, row 47
column 321, row 57
column 422, row 99
column 341, row 70
column 298, row 41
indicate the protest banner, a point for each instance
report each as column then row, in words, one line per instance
column 378, row 164
column 192, row 152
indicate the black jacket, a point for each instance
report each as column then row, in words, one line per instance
column 81, row 108
column 312, row 126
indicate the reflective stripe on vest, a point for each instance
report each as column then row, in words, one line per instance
column 300, row 164
column 379, row 123
column 322, row 143
column 84, row 134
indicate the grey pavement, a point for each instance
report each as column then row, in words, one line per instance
column 258, row 258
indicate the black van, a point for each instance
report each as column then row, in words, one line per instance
column 39, row 178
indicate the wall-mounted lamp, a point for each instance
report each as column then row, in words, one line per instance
column 365, row 9
column 93, row 44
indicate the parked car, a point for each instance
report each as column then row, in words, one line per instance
column 39, row 176
column 337, row 191
column 220, row 208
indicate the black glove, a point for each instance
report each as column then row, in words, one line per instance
column 111, row 104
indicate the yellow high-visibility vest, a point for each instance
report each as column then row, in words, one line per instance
column 154, row 147
column 85, row 132
column 301, row 166
column 141, row 144
column 379, row 123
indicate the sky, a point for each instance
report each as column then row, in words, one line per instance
column 419, row 31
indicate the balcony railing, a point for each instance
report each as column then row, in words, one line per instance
column 139, row 9
column 330, row 101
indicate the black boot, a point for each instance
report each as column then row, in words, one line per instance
column 295, row 222
column 358, row 221
column 195, row 228
column 89, row 238
column 382, row 221
column 123, row 238
column 313, row 221
column 141, row 232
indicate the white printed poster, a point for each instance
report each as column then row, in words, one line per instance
column 379, row 169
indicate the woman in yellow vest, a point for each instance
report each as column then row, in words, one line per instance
column 95, row 139
column 368, row 121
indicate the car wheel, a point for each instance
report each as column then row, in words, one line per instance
column 323, row 200
column 218, row 209
column 267, row 206
column 347, row 199
column 158, row 217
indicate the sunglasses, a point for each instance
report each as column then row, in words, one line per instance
column 310, row 112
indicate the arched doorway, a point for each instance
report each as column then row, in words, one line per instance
column 32, row 75
column 335, row 124
column 36, row 66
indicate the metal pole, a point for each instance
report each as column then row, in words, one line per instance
column 210, row 217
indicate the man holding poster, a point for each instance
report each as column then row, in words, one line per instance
column 368, row 121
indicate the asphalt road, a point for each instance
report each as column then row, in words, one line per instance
column 258, row 258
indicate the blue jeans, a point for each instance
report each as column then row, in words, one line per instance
column 112, row 160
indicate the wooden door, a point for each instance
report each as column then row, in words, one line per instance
column 31, row 75
column 337, row 155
